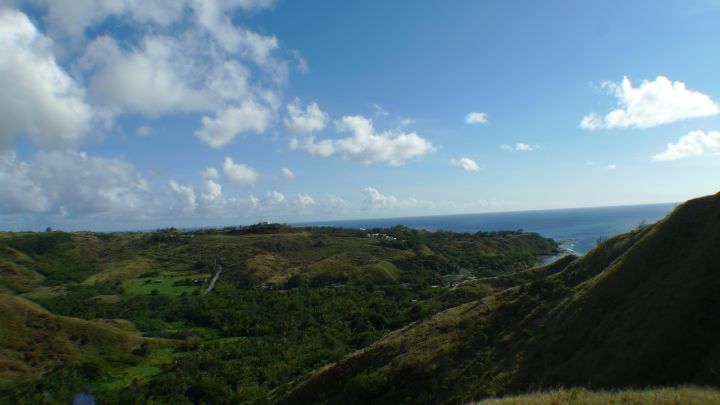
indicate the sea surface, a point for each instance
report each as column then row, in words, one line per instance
column 577, row 229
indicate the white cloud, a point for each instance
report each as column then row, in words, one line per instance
column 303, row 200
column 379, row 110
column 324, row 148
column 71, row 182
column 301, row 64
column 367, row 145
column 305, row 121
column 334, row 204
column 254, row 201
column 153, row 80
column 239, row 174
column 195, row 61
column 519, row 147
column 375, row 200
column 406, row 122
column 72, row 18
column 227, row 124
column 589, row 163
column 612, row 167
column 651, row 104
column 694, row 143
column 186, row 194
column 212, row 193
column 144, row 130
column 370, row 146
column 213, row 16
column 467, row 164
column 273, row 199
column 287, row 173
column 476, row 118
column 210, row 173
column 38, row 98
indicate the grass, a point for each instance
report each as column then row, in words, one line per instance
column 142, row 372
column 580, row 396
column 32, row 340
column 120, row 270
column 163, row 285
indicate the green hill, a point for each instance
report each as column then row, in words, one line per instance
column 639, row 310
column 34, row 341
column 128, row 317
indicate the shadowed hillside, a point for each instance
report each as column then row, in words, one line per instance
column 641, row 309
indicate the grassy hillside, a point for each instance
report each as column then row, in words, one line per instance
column 33, row 341
column 639, row 310
column 664, row 396
column 125, row 316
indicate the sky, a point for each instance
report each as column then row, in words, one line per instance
column 127, row 114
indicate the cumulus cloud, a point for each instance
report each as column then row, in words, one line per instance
column 72, row 18
column 210, row 173
column 227, row 124
column 212, row 193
column 239, row 174
column 467, row 164
column 38, row 98
column 273, row 199
column 303, row 200
column 70, row 182
column 186, row 194
column 368, row 145
column 178, row 57
column 305, row 121
column 373, row 199
column 519, row 147
column 694, row 143
column 287, row 173
column 323, row 148
column 213, row 16
column 476, row 118
column 653, row 103
column 153, row 79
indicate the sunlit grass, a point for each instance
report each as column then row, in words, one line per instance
column 580, row 396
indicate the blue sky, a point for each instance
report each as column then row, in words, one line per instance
column 123, row 115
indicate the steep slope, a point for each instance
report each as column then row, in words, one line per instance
column 641, row 309
column 33, row 340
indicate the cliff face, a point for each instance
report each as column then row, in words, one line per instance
column 641, row 309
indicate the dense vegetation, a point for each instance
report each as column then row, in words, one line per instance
column 639, row 310
column 129, row 318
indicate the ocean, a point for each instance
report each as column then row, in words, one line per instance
column 577, row 229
